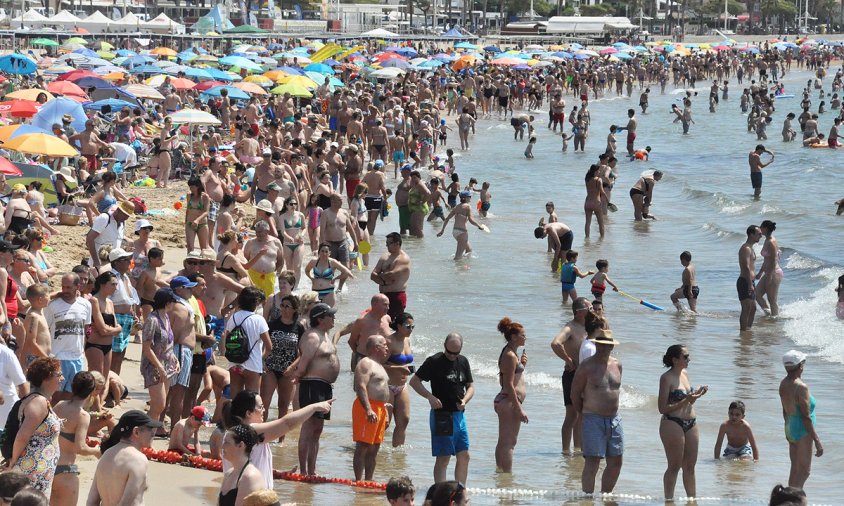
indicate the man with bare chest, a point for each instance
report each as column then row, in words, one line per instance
column 375, row 322
column 392, row 273
column 376, row 193
column 333, row 225
column 264, row 259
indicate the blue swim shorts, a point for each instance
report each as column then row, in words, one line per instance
column 453, row 444
column 603, row 436
column 69, row 370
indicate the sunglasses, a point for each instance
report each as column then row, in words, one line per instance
column 452, row 353
column 287, row 306
column 192, row 262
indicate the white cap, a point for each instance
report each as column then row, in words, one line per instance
column 793, row 358
column 334, row 145
column 118, row 253
column 142, row 223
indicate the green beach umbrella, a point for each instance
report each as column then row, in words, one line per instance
column 245, row 29
column 76, row 40
column 295, row 90
column 44, row 42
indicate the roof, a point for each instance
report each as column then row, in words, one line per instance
column 587, row 24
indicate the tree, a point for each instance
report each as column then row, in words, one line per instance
column 734, row 7
column 425, row 6
column 596, row 10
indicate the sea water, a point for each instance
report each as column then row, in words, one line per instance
column 703, row 204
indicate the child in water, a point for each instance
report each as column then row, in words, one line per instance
column 552, row 218
column 529, row 148
column 740, row 441
column 566, row 139
column 600, row 279
column 569, row 274
column 689, row 290
column 486, row 198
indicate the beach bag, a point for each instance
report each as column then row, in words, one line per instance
column 13, row 425
column 237, row 349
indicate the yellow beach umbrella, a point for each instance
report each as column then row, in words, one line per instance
column 295, row 90
column 7, row 131
column 275, row 75
column 76, row 40
column 105, row 55
column 114, row 76
column 257, row 79
column 303, row 81
column 212, row 34
column 163, row 51
column 29, row 94
column 40, row 144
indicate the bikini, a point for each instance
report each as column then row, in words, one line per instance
column 228, row 499
column 197, row 207
column 520, row 368
column 298, row 224
column 399, row 359
column 226, row 270
column 778, row 272
column 326, row 274
column 675, row 396
column 108, row 319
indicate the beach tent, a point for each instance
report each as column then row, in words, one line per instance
column 163, row 24
column 96, row 22
column 128, row 23
column 29, row 19
column 379, row 32
column 215, row 21
column 63, row 19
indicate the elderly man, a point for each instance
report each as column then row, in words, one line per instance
column 595, row 393
column 121, row 475
column 107, row 229
column 452, row 387
column 566, row 345
column 370, row 411
column 376, row 321
column 182, row 321
column 333, row 226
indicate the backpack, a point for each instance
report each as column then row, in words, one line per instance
column 237, row 349
column 13, row 425
column 140, row 205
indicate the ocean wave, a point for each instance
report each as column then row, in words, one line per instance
column 720, row 232
column 812, row 323
column 796, row 261
column 770, row 209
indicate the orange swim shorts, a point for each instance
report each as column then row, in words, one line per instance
column 364, row 431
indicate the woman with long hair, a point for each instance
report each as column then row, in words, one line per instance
column 285, row 332
column 508, row 402
column 399, row 367
column 98, row 337
column 594, row 196
column 197, row 205
column 158, row 362
column 678, row 427
column 770, row 274
column 292, row 235
column 162, row 151
column 229, row 258
column 42, row 265
column 243, row 477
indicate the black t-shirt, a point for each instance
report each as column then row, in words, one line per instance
column 448, row 379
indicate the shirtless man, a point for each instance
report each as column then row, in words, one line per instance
column 333, row 226
column 220, row 290
column 344, row 116
column 247, row 149
column 285, row 108
column 558, row 113
column 336, row 166
column 377, row 193
column 353, row 169
column 632, row 122
column 595, row 392
column 755, row 161
column 566, row 345
column 376, row 321
column 371, row 411
column 316, row 370
column 172, row 102
column 745, row 283
column 560, row 237
column 265, row 173
column 391, row 273
column 252, row 114
column 265, row 259
column 121, row 475
column 213, row 180
column 184, row 333
column 89, row 145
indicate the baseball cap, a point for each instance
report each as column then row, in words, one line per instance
column 267, row 152
column 406, row 167
column 379, row 163
column 793, row 358
column 321, row 309
column 201, row 414
column 118, row 253
column 334, row 145
column 136, row 418
column 181, row 282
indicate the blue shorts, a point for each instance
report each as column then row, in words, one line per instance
column 120, row 342
column 453, row 444
column 756, row 179
column 332, row 123
column 69, row 370
column 567, row 287
column 603, row 436
column 744, row 451
column 185, row 356
column 398, row 156
column 260, row 195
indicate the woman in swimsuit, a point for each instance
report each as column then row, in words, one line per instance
column 417, row 203
column 462, row 214
column 324, row 190
column 642, row 194
column 285, row 332
column 43, row 267
column 18, row 215
column 72, row 438
column 798, row 410
column 243, row 477
column 165, row 142
column 20, row 272
column 594, row 196
column 360, row 216
column 141, row 246
column 770, row 274
column 106, row 198
column 314, row 212
column 229, row 260
column 508, row 402
column 35, row 198
column 292, row 236
column 678, row 428
column 197, row 205
column 321, row 273
column 98, row 337
column 399, row 367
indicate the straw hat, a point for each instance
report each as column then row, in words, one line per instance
column 603, row 336
column 265, row 206
column 127, row 208
column 67, row 174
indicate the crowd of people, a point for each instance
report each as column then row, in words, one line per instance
column 235, row 325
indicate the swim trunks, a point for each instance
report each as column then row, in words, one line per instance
column 457, row 441
column 745, row 289
column 756, row 179
column 315, row 390
column 744, row 451
column 373, row 203
column 339, row 250
column 691, row 292
column 398, row 303
column 603, row 436
column 568, row 377
column 267, row 282
column 364, row 431
column 631, row 136
column 566, row 240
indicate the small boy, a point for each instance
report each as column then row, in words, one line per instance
column 186, row 429
column 740, row 441
column 529, row 148
column 436, row 200
column 443, row 133
column 689, row 290
column 37, row 340
column 552, row 214
column 566, row 139
column 449, row 160
column 486, row 198
column 600, row 279
column 400, row 491
column 397, row 145
column 569, row 274
column 611, row 142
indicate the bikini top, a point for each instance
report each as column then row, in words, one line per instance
column 519, row 366
column 229, row 497
column 401, row 359
column 297, row 224
column 70, row 436
column 227, row 270
column 327, row 273
column 108, row 318
column 679, row 394
column 198, row 207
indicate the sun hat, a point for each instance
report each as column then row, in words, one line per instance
column 142, row 223
column 118, row 253
column 793, row 358
column 67, row 173
column 603, row 336
column 265, row 206
column 127, row 208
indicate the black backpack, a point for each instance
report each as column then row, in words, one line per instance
column 13, row 425
column 237, row 349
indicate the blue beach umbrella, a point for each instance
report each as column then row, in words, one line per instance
column 125, row 53
column 465, row 45
column 146, row 69
column 138, row 59
column 115, row 104
column 234, row 93
column 84, row 51
column 291, row 70
column 198, row 73
column 219, row 75
column 92, row 82
column 623, row 56
column 52, row 112
column 333, row 82
column 239, row 61
column 187, row 55
column 28, row 129
column 319, row 68
column 492, row 49
column 17, row 64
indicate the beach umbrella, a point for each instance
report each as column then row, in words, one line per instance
column 506, row 61
column 145, row 69
column 24, row 130
column 395, row 62
column 319, row 68
column 143, row 91
column 587, row 52
column 295, row 90
column 303, row 81
column 234, row 93
column 41, row 144
column 387, row 56
column 250, row 88
column 8, row 168
column 66, row 88
column 207, row 58
column 114, row 103
column 197, row 73
column 103, row 45
column 239, row 61
column 193, row 117
column 108, row 69
column 92, row 82
column 84, row 51
column 175, row 68
column 44, row 42
column 291, row 70
column 58, row 69
column 17, row 64
column 333, row 82
column 204, row 85
column 261, row 80
column 125, row 52
column 465, row 45
column 53, row 111
column 76, row 40
column 187, row 55
column 19, row 108
column 608, row 50
column 388, row 73
column 114, row 76
column 623, row 56
column 29, row 94
column 164, row 51
column 75, row 75
column 220, row 75
column 138, row 59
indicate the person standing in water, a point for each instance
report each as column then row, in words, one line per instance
column 689, row 289
column 756, row 167
column 462, row 214
column 798, row 411
column 632, row 122
column 745, row 283
column 770, row 274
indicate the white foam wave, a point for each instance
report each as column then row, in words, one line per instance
column 796, row 261
column 812, row 322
